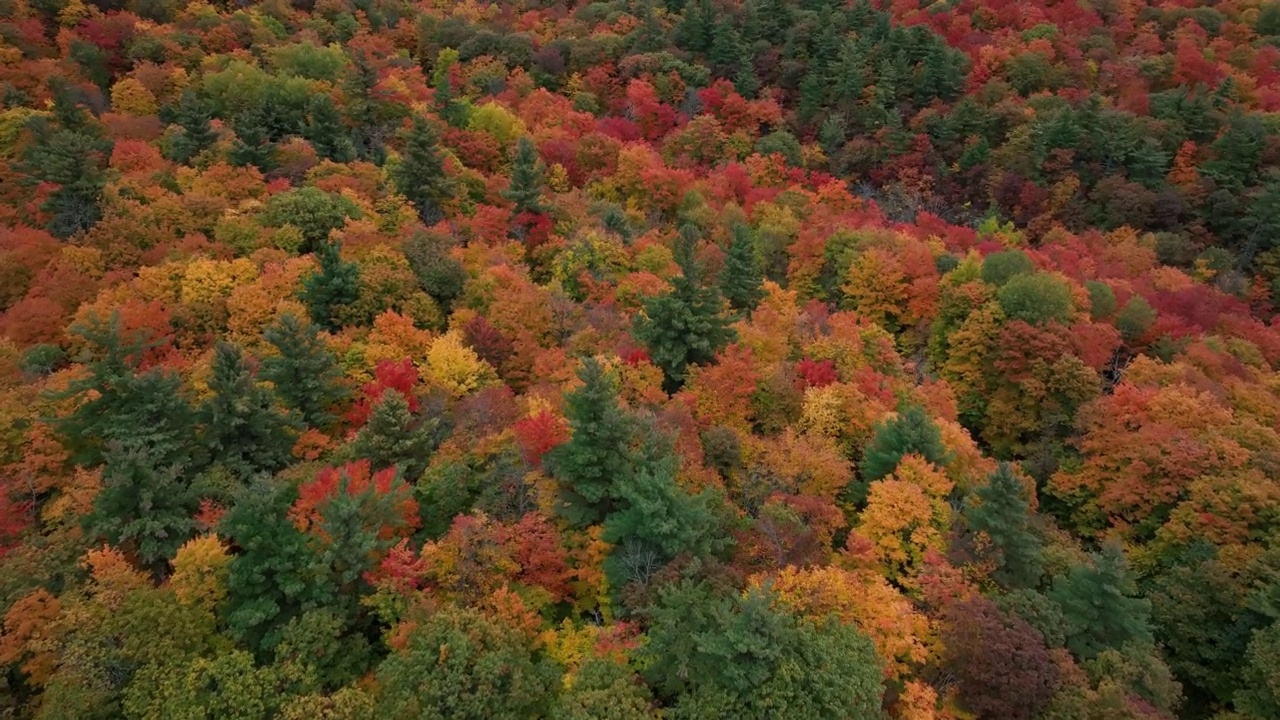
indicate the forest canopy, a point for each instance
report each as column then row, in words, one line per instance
column 639, row 359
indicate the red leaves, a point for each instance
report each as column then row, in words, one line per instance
column 353, row 479
column 401, row 376
column 816, row 373
column 652, row 117
column 539, row 433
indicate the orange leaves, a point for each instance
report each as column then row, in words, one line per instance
column 900, row 633
column 1143, row 448
column 721, row 393
column 30, row 636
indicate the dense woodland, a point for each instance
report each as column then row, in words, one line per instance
column 638, row 359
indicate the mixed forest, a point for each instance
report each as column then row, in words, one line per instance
column 869, row 359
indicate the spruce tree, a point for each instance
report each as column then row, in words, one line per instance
column 305, row 373
column 252, row 146
column 70, row 153
column 1100, row 606
column 725, row 52
column 912, row 431
column 193, row 114
column 243, row 430
column 526, row 179
column 145, row 507
column 597, row 453
column 276, row 574
column 122, row 406
column 368, row 116
column 447, row 106
column 326, row 131
column 336, row 285
column 394, row 437
column 420, row 174
column 1003, row 513
column 685, row 326
column 741, row 278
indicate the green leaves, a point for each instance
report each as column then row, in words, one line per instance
column 463, row 665
column 419, row 176
column 1003, row 514
column 305, row 373
column 1100, row 604
column 741, row 657
column 526, row 179
column 685, row 326
column 334, row 287
column 243, row 430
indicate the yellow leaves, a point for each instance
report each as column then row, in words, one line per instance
column 456, row 367
column 774, row 325
column 209, row 281
column 862, row 599
column 498, row 121
column 876, row 288
column 558, row 178
column 906, row 516
column 87, row 260
column 200, row 572
column 133, row 98
column 841, row 412
column 587, row 553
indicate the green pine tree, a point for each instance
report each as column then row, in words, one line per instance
column 243, row 430
column 305, row 373
column 725, row 53
column 911, row 431
column 1003, row 513
column 252, row 146
column 420, row 176
column 394, row 437
column 654, row 519
column 326, row 131
column 193, row 114
column 371, row 119
column 598, row 451
column 122, row 406
column 335, row 286
column 526, row 179
column 711, row 656
column 276, row 574
column 694, row 31
column 447, row 105
column 685, row 326
column 69, row 152
column 741, row 278
column 143, row 508
column 1100, row 604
